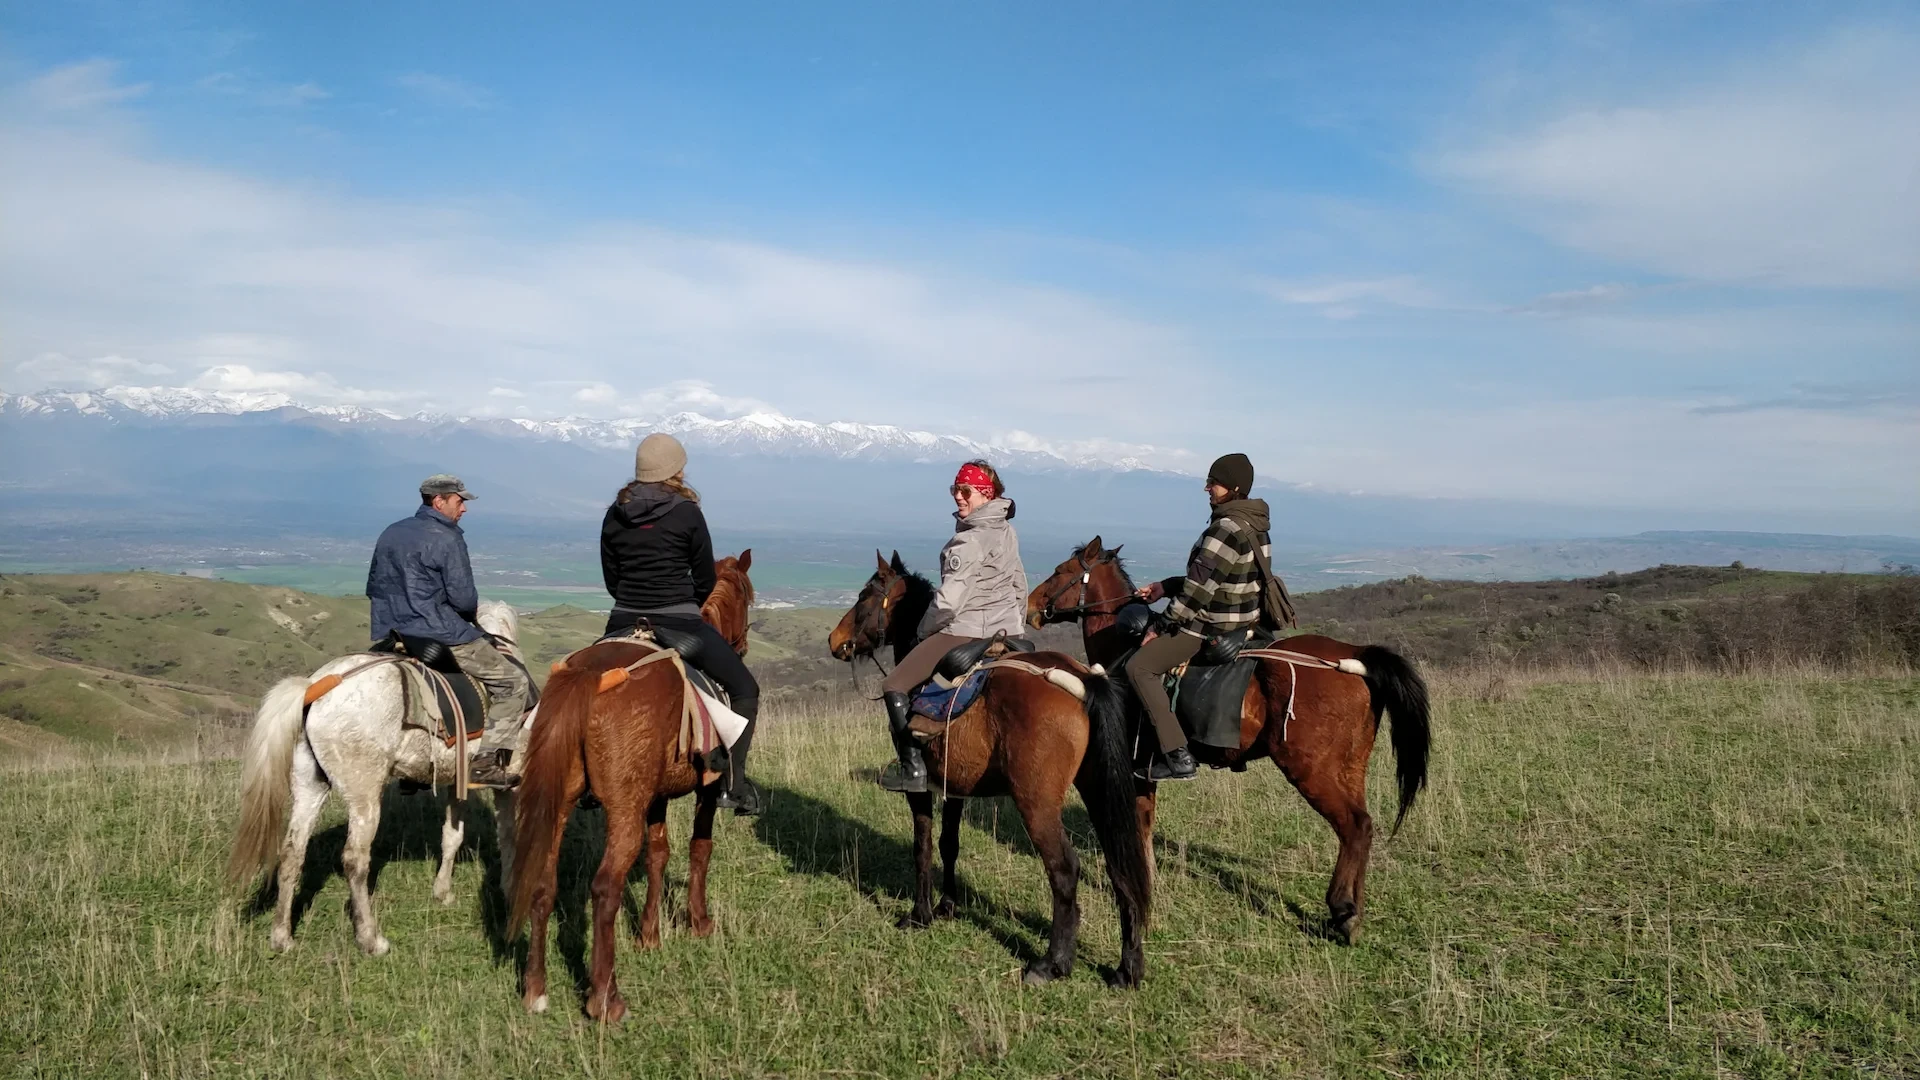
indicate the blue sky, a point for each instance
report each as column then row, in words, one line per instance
column 1659, row 255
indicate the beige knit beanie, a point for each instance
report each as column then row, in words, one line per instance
column 659, row 458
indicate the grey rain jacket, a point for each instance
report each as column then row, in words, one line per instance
column 983, row 587
column 421, row 582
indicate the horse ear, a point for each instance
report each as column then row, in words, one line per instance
column 880, row 560
column 899, row 567
column 1093, row 547
column 746, row 559
column 1114, row 554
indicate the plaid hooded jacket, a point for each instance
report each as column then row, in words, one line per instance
column 1222, row 588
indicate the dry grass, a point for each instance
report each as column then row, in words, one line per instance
column 1611, row 875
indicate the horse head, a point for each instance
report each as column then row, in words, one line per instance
column 1091, row 582
column 866, row 625
column 729, row 607
column 496, row 617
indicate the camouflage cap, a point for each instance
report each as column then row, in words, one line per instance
column 445, row 484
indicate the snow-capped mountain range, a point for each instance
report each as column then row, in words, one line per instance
column 760, row 433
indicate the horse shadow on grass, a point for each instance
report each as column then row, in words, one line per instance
column 1236, row 876
column 817, row 839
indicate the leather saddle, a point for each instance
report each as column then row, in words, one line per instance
column 963, row 658
column 467, row 704
column 690, row 648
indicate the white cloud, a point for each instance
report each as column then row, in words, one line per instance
column 506, row 392
column 1345, row 299
column 89, row 84
column 57, row 370
column 445, row 91
column 278, row 95
column 194, row 267
column 317, row 388
column 1799, row 174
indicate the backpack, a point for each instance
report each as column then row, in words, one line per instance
column 1276, row 604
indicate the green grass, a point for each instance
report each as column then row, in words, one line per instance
column 1609, row 877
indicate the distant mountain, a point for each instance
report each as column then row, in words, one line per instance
column 757, row 433
column 156, row 476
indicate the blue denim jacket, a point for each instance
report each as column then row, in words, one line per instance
column 421, row 582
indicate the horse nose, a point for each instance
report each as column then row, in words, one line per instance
column 843, row 651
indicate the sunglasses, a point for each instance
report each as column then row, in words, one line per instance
column 968, row 490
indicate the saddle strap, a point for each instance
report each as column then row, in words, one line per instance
column 689, row 705
column 1060, row 677
column 1288, row 656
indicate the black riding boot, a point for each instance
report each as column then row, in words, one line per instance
column 741, row 796
column 910, row 772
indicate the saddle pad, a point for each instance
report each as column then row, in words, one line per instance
column 943, row 703
column 1208, row 700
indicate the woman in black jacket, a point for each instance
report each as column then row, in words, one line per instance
column 657, row 558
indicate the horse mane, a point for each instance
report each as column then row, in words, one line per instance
column 731, row 599
column 497, row 617
column 904, row 623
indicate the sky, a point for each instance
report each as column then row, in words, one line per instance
column 1640, row 255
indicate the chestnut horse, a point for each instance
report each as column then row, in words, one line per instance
column 626, row 740
column 1028, row 738
column 1323, row 749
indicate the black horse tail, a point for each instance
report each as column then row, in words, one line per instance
column 1400, row 692
column 1108, row 790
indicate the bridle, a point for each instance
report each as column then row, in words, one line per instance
column 1049, row 612
column 853, row 661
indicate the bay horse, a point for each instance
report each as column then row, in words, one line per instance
column 1323, row 748
column 1026, row 737
column 353, row 739
column 619, row 730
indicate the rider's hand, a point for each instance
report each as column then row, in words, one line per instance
column 1149, row 637
column 1150, row 592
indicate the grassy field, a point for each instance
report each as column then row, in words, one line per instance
column 1628, row 876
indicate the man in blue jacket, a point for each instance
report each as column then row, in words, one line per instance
column 421, row 588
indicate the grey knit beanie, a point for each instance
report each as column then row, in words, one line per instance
column 660, row 457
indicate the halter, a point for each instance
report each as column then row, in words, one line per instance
column 853, row 662
column 1051, row 613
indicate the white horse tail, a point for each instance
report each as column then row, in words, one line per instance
column 266, row 780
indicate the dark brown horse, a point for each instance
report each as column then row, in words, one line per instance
column 608, row 720
column 1324, row 747
column 1026, row 737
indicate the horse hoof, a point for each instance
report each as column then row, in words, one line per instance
column 1122, row 979
column 537, row 1005
column 380, row 947
column 945, row 910
column 1347, row 931
column 701, row 929
column 611, row 1013
column 910, row 921
column 1038, row 973
column 280, row 942
column 444, row 899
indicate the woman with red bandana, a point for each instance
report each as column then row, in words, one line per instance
column 983, row 592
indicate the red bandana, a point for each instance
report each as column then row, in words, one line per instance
column 976, row 478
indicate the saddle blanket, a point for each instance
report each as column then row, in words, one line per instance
column 726, row 723
column 940, row 701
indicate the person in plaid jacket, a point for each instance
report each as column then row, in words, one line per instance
column 1220, row 593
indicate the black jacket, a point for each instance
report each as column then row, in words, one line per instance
column 655, row 551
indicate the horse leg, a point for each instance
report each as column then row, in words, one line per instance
column 657, row 852
column 1344, row 805
column 504, row 809
column 310, row 792
column 363, row 821
column 951, row 811
column 1145, row 800
column 534, row 982
column 1049, row 835
column 921, row 803
column 453, row 832
column 699, row 854
column 624, row 833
